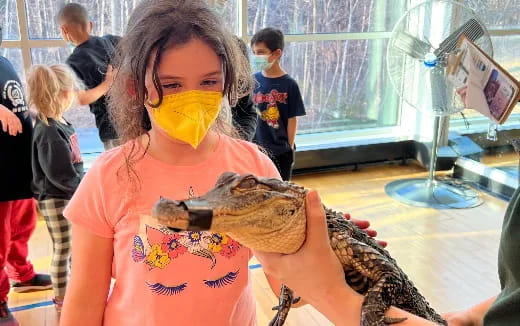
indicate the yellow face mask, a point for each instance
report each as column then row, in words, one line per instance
column 187, row 116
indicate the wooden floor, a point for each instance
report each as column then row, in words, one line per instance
column 450, row 254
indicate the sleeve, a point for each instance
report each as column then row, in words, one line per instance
column 245, row 117
column 296, row 106
column 55, row 160
column 88, row 206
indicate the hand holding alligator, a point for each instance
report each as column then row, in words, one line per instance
column 314, row 271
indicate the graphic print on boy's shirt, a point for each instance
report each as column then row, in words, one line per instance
column 271, row 114
column 160, row 247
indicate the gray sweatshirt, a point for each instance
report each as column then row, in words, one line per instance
column 56, row 160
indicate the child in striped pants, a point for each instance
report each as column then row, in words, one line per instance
column 56, row 161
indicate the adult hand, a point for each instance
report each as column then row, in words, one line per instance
column 364, row 225
column 463, row 91
column 10, row 122
column 298, row 271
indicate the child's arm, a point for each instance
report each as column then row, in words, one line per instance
column 89, row 96
column 89, row 284
column 92, row 95
column 296, row 108
column 292, row 125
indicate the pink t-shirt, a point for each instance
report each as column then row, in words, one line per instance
column 161, row 277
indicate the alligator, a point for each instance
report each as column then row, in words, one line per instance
column 269, row 215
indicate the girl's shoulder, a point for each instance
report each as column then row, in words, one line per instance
column 249, row 156
column 111, row 159
column 243, row 147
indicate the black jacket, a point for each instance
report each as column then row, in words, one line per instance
column 90, row 61
column 56, row 160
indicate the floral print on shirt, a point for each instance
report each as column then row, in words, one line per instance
column 165, row 246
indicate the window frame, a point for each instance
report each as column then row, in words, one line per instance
column 26, row 44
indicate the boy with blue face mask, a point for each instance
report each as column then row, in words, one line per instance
column 277, row 98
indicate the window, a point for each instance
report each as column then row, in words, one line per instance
column 230, row 16
column 335, row 50
column 15, row 57
column 341, row 72
column 49, row 55
column 320, row 16
column 109, row 17
column 343, row 84
column 9, row 20
column 497, row 14
column 507, row 53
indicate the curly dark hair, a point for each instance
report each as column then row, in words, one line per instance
column 154, row 27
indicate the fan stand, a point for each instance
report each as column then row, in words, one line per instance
column 428, row 192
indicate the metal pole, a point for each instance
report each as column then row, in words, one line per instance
column 433, row 156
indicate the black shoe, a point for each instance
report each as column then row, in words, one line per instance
column 40, row 282
column 6, row 318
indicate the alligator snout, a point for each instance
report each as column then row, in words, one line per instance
column 180, row 215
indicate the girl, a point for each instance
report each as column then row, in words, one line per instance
column 179, row 64
column 56, row 161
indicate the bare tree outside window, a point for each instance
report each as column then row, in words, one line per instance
column 343, row 82
column 9, row 20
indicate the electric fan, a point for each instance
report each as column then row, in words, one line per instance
column 417, row 56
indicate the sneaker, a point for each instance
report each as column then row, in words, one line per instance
column 39, row 282
column 6, row 318
column 58, row 304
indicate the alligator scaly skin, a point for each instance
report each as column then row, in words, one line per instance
column 371, row 271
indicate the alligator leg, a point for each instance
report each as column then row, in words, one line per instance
column 355, row 255
column 286, row 299
column 374, row 307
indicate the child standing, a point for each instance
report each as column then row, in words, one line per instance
column 278, row 100
column 90, row 61
column 17, row 209
column 56, row 161
column 178, row 63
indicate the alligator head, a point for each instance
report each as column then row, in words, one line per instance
column 262, row 214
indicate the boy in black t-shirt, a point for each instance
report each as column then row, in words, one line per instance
column 278, row 100
column 90, row 61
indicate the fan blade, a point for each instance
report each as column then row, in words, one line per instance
column 411, row 45
column 472, row 29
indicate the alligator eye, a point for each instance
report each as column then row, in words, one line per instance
column 247, row 183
